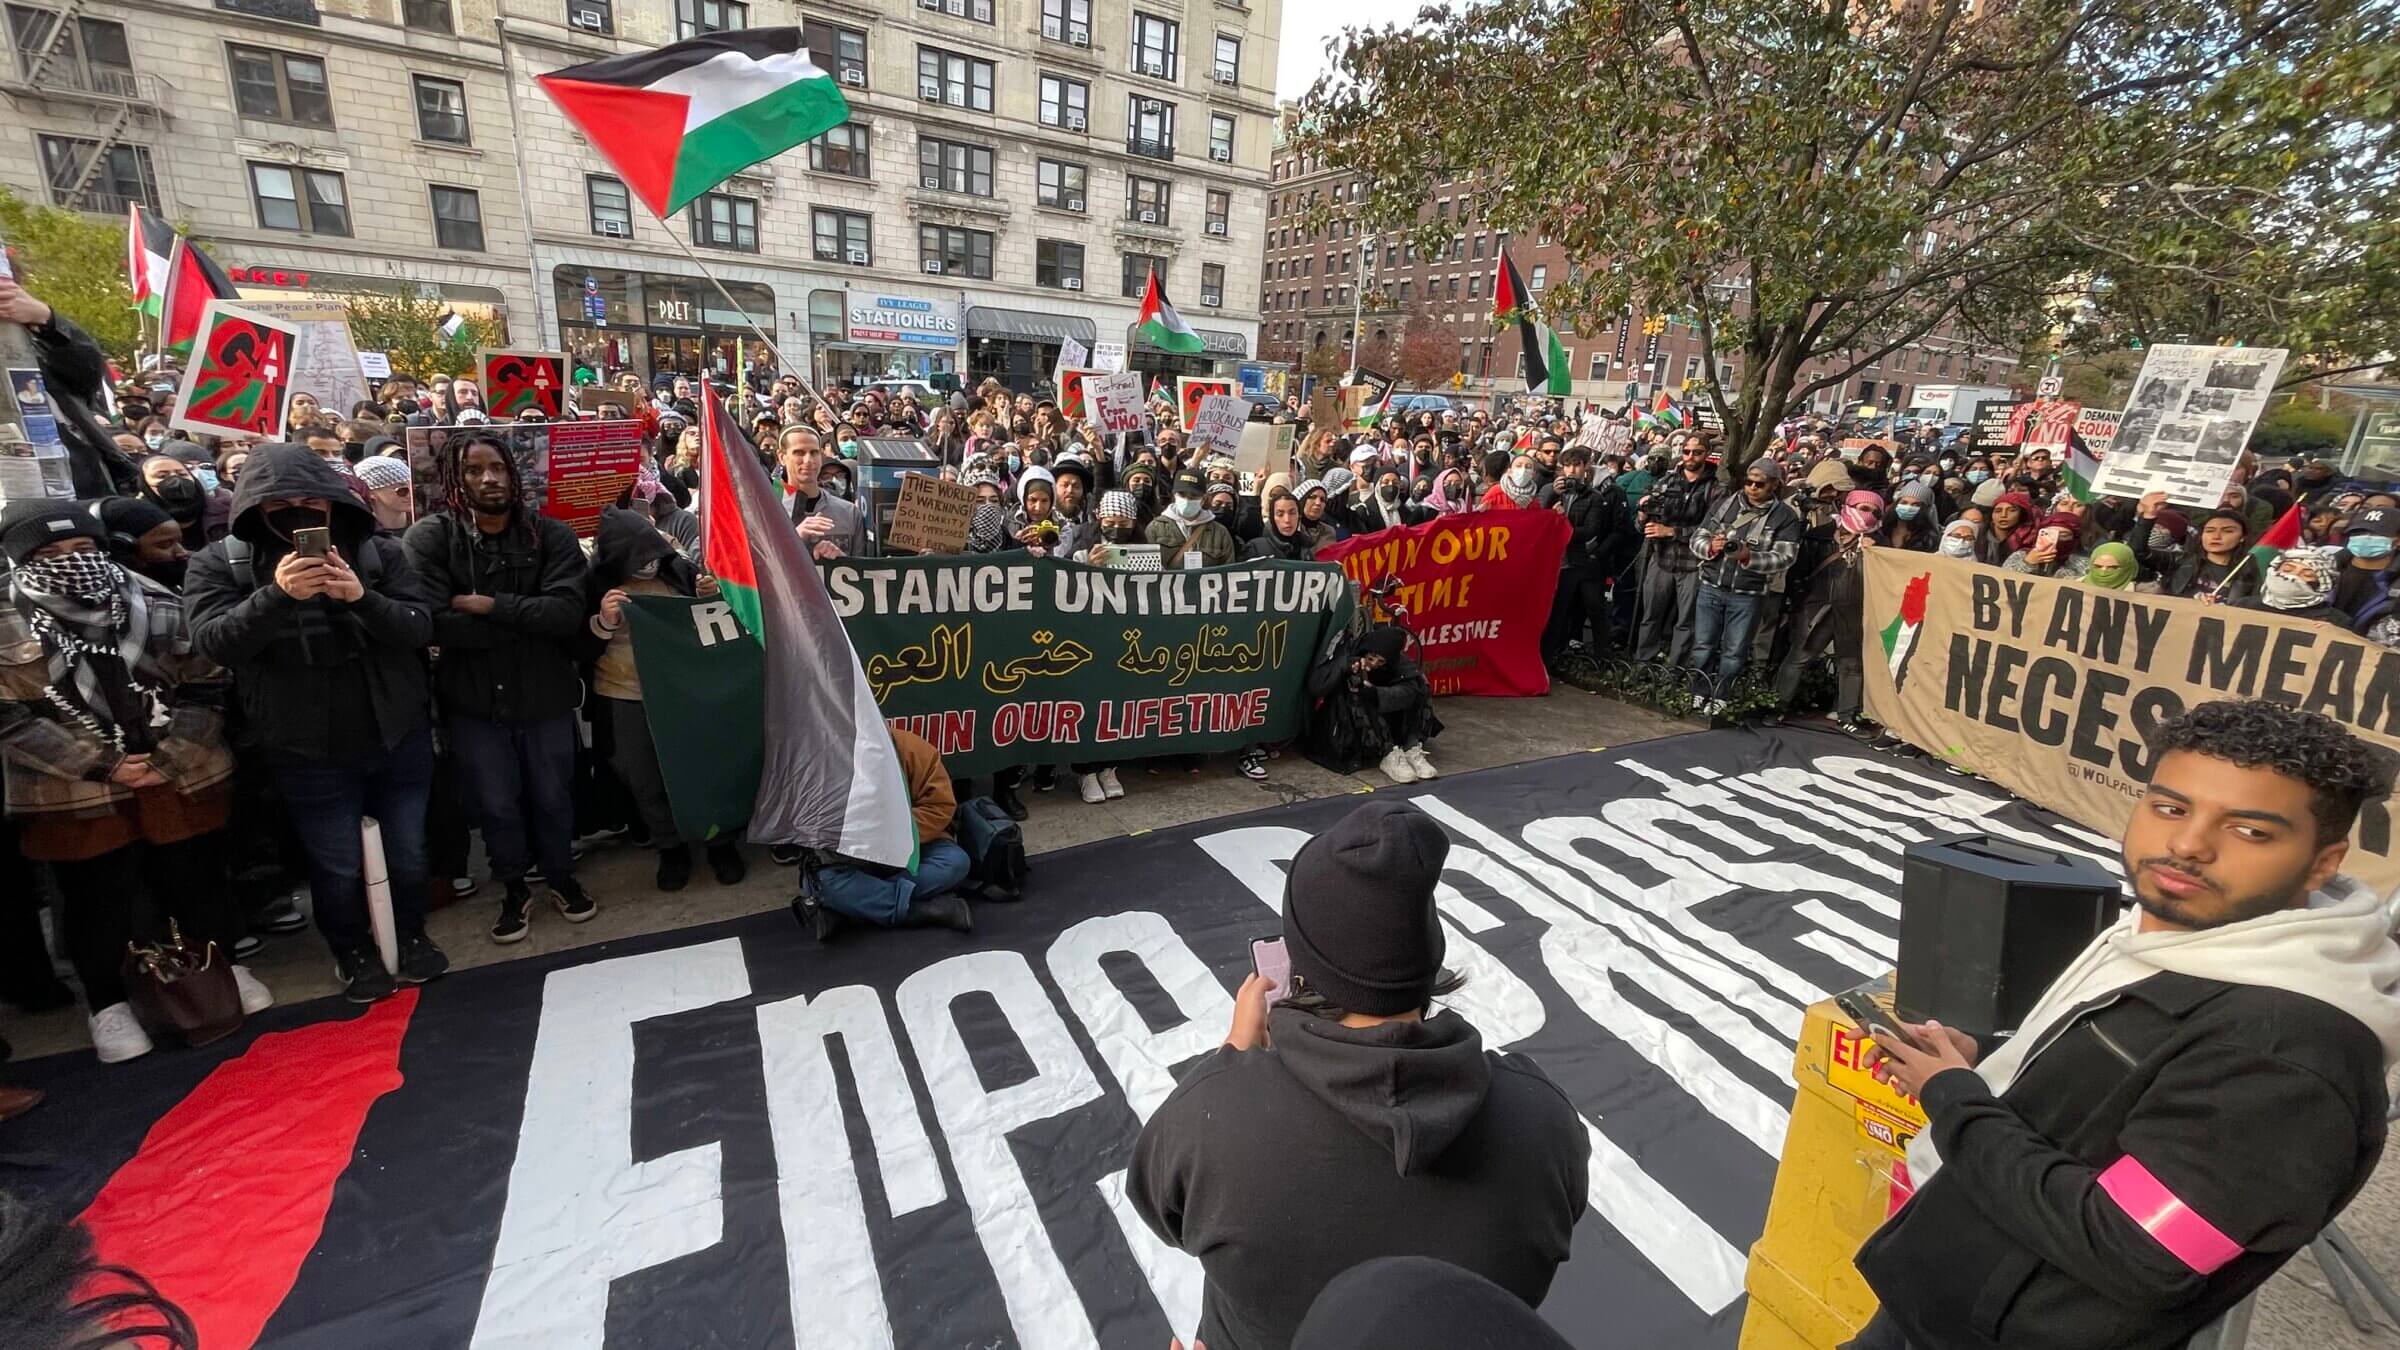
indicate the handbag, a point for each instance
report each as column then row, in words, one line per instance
column 190, row 991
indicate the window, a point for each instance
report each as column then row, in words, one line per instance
column 1442, row 211
column 721, row 220
column 1149, row 127
column 1475, row 285
column 841, row 150
column 441, row 110
column 1400, row 292
column 1475, row 246
column 843, row 236
column 953, row 166
column 311, row 200
column 1154, row 44
column 122, row 176
column 978, row 10
column 955, row 80
column 610, row 205
column 597, row 16
column 1066, row 103
column 1058, row 263
column 1220, row 138
column 1691, row 369
column 955, row 252
column 1212, row 283
column 280, row 87
column 1059, row 184
column 457, row 218
column 1220, row 210
column 1068, row 21
column 87, row 54
column 1228, row 68
column 694, row 17
column 430, row 16
column 840, row 50
column 1541, row 277
column 1137, row 272
column 1599, row 369
column 1147, row 199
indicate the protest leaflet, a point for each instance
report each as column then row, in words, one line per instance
column 571, row 470
column 1190, row 389
column 516, row 380
column 240, row 378
column 932, row 516
column 1217, row 425
column 1115, row 400
column 33, row 457
column 2191, row 414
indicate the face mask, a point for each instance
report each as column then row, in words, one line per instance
column 1948, row 465
column 2282, row 592
column 648, row 571
column 1865, row 474
column 1117, row 534
column 207, row 477
column 2370, row 546
column 835, row 487
column 1187, row 508
column 1387, row 491
column 1521, row 477
column 182, row 496
column 155, row 439
column 1978, row 476
column 1929, row 479
column 168, row 574
column 1958, row 546
column 1907, row 510
column 1015, row 462
column 289, row 520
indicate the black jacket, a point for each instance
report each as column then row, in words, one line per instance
column 2261, row 1110
column 1599, row 545
column 293, row 660
column 1281, row 1168
column 73, row 373
column 1680, row 502
column 518, row 663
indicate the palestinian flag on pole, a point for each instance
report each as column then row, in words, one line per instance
column 149, row 243
column 1159, row 324
column 193, row 279
column 2283, row 534
column 2082, row 467
column 831, row 779
column 1547, row 369
column 677, row 121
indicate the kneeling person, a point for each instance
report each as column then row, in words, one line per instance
column 831, row 893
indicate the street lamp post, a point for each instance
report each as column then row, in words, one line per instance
column 1358, row 300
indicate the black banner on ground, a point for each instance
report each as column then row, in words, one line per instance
column 732, row 1137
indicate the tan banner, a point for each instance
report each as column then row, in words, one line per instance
column 2050, row 688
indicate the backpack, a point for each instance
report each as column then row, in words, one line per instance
column 995, row 847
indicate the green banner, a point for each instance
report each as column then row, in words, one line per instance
column 704, row 693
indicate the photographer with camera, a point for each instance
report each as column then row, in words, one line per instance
column 1667, row 514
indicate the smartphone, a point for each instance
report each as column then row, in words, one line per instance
column 1872, row 1019
column 1273, row 962
column 312, row 542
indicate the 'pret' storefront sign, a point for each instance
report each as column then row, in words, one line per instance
column 902, row 319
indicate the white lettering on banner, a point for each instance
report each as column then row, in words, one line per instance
column 836, row 1291
column 580, row 1211
column 713, row 622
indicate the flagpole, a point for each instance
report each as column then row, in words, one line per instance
column 780, row 360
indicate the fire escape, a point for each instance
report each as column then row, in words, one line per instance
column 53, row 66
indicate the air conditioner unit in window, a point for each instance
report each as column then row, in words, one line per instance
column 929, row 4
column 1223, row 154
column 857, row 77
column 587, row 18
column 1216, row 227
column 1079, row 37
column 1154, row 68
column 933, row 265
column 857, row 255
column 931, row 93
column 1075, row 121
column 617, row 228
column 1071, row 283
column 1226, row 77
column 1211, row 298
column 930, row 180
column 1074, row 203
column 1149, row 217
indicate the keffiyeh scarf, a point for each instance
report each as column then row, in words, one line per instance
column 96, row 621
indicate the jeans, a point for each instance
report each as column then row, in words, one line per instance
column 942, row 866
column 327, row 801
column 635, row 758
column 1667, row 594
column 1721, row 624
column 518, row 782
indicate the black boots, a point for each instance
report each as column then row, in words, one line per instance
column 942, row 911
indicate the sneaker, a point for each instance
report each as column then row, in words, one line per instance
column 674, row 867
column 1109, row 786
column 464, row 888
column 421, row 961
column 1418, row 760
column 726, row 862
column 1396, row 767
column 280, row 915
column 786, row 854
column 247, row 946
column 516, row 914
column 822, row 924
column 1009, row 802
column 1092, row 791
column 256, row 997
column 117, row 1034
column 364, row 980
column 573, row 905
column 1253, row 764
column 1045, row 778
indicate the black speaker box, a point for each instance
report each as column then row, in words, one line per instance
column 1986, row 923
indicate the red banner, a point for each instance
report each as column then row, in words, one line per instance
column 1476, row 588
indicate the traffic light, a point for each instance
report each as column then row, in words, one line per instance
column 1653, row 326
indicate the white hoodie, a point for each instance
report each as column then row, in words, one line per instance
column 2340, row 949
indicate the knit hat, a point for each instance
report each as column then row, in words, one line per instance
column 1766, row 467
column 26, row 526
column 1987, row 493
column 382, row 471
column 1339, row 480
column 1828, row 473
column 129, row 517
column 1358, row 915
column 1120, row 504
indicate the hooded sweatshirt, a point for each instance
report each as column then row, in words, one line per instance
column 1280, row 1168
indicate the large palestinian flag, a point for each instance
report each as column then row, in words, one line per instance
column 680, row 120
column 1159, row 325
column 193, row 279
column 831, row 779
column 1547, row 368
column 149, row 243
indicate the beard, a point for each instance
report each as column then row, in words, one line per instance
column 2198, row 912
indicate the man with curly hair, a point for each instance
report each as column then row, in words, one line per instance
column 2194, row 1099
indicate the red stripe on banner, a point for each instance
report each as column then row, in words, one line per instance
column 2147, row 1201
column 227, row 1195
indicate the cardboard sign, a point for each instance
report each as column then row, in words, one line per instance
column 1219, row 422
column 1115, row 400
column 608, row 404
column 932, row 516
column 1072, row 403
column 1072, row 355
column 516, row 380
column 240, row 378
column 1324, row 408
column 375, row 365
column 1190, row 389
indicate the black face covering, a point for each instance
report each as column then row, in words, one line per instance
column 1117, row 534
column 182, row 498
column 289, row 520
column 167, row 574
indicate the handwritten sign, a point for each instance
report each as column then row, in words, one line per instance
column 932, row 516
column 1115, row 400
column 1072, row 355
column 1190, row 389
column 1218, row 423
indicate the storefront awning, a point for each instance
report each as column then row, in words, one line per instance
column 1019, row 325
column 1216, row 342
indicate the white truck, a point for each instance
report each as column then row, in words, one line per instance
column 1953, row 404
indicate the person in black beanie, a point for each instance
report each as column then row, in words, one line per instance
column 1351, row 1120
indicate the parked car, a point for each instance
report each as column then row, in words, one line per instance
column 1416, row 403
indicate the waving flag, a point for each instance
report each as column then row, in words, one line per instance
column 193, row 279
column 149, row 243
column 1159, row 324
column 1547, row 368
column 831, row 779
column 677, row 121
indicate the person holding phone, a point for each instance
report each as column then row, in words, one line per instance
column 2193, row 1099
column 1346, row 1117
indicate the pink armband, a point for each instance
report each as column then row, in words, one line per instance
column 2147, row 1201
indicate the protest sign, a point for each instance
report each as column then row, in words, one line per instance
column 516, row 380
column 1218, row 423
column 571, row 471
column 1325, row 408
column 1073, row 402
column 1115, row 400
column 2191, row 413
column 326, row 366
column 239, row 380
column 1374, row 391
column 375, row 365
column 2044, row 424
column 1072, row 355
column 2050, row 687
column 605, row 403
column 2098, row 428
column 932, row 515
column 33, row 457
column 1108, row 356
column 1995, row 424
column 1190, row 389
column 1265, row 446
column 1477, row 591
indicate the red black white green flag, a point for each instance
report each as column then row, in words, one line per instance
column 680, row 120
column 149, row 243
column 1547, row 370
column 831, row 779
column 193, row 279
